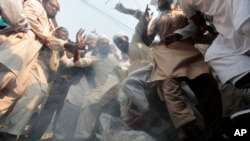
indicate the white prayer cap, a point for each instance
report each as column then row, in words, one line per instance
column 102, row 36
column 90, row 36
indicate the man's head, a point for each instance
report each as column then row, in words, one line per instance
column 102, row 44
column 51, row 7
column 62, row 33
column 164, row 4
column 122, row 42
column 90, row 40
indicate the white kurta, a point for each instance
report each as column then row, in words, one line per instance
column 22, row 51
column 107, row 87
column 229, row 53
column 14, row 53
column 139, row 53
column 12, row 12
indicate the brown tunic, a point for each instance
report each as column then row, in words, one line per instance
column 176, row 59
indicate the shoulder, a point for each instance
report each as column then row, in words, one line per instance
column 33, row 5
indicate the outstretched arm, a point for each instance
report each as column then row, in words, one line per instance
column 147, row 34
column 133, row 12
column 79, row 45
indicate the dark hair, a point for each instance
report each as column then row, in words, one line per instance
column 60, row 28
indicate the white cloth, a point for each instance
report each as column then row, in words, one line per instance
column 229, row 53
column 107, row 87
column 136, row 94
column 13, row 14
column 68, row 62
column 77, row 92
column 19, row 53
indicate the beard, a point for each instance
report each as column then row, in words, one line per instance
column 124, row 47
column 52, row 16
column 104, row 50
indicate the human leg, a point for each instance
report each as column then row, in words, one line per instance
column 7, row 96
column 179, row 111
column 209, row 101
column 66, row 122
column 50, row 110
column 16, row 121
column 185, row 118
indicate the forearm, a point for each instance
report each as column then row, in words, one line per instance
column 133, row 12
column 187, row 31
column 147, row 35
column 56, row 44
column 83, row 62
column 77, row 55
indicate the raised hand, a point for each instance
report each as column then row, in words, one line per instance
column 80, row 38
column 120, row 7
column 147, row 16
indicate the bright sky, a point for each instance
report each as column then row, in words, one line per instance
column 99, row 15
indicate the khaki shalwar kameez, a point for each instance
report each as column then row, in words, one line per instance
column 107, row 88
column 178, row 59
column 13, row 52
column 31, row 75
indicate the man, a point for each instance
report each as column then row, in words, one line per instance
column 236, row 43
column 139, row 56
column 91, row 50
column 180, row 61
column 84, row 105
column 30, row 74
column 16, row 24
column 60, row 81
column 228, row 55
column 90, row 40
column 135, row 86
column 15, row 34
column 106, row 90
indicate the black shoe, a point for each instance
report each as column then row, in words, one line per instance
column 193, row 132
column 240, row 117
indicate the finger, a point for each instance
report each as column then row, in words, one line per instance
column 148, row 9
column 80, row 46
column 84, row 36
column 82, row 31
column 79, row 31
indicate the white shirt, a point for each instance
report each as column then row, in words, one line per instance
column 228, row 53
